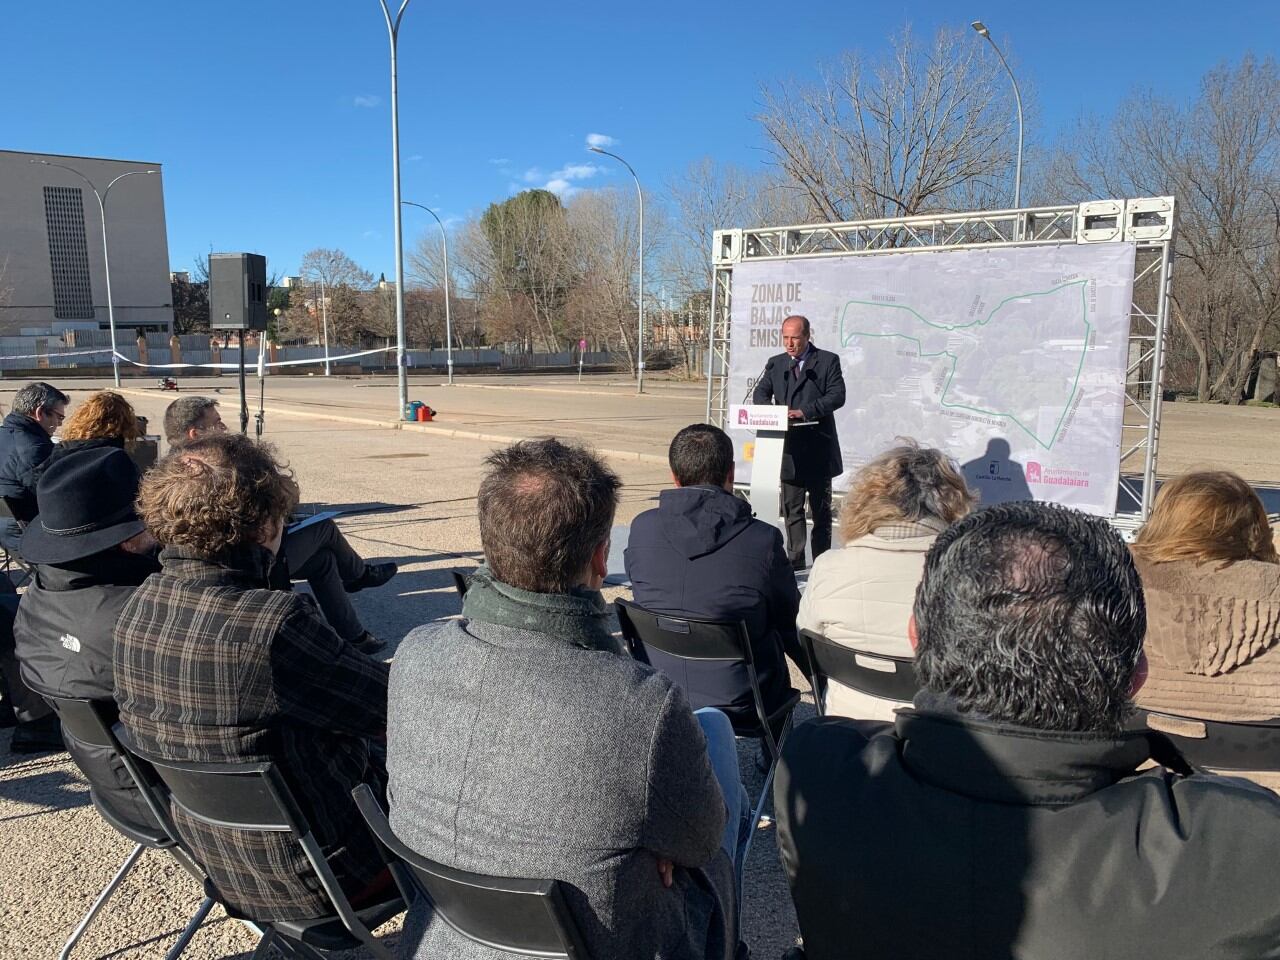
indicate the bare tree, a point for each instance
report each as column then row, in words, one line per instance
column 1220, row 157
column 925, row 128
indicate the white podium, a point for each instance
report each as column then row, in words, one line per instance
column 770, row 425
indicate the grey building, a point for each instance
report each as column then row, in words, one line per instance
column 51, row 260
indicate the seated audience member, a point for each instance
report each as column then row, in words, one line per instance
column 861, row 594
column 25, row 443
column 1007, row 814
column 104, row 419
column 212, row 666
column 523, row 742
column 317, row 553
column 701, row 554
column 1212, row 579
column 90, row 553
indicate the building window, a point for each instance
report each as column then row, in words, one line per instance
column 68, row 253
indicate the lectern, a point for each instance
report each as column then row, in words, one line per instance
column 769, row 424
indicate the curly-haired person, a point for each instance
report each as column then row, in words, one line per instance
column 213, row 666
column 1009, row 813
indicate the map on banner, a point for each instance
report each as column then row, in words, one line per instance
column 1012, row 360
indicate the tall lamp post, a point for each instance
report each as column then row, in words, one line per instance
column 448, row 320
column 640, row 337
column 983, row 32
column 393, row 34
column 106, row 260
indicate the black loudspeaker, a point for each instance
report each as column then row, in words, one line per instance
column 237, row 291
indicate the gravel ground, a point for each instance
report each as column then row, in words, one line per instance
column 419, row 493
column 411, row 495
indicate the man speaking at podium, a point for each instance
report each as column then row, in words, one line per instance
column 808, row 381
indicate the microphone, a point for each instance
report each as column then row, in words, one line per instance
column 751, row 384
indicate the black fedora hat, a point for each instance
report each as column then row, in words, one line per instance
column 86, row 506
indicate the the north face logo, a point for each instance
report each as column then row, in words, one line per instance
column 70, row 642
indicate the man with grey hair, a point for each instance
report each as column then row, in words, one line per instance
column 522, row 741
column 25, row 443
column 317, row 552
column 1011, row 812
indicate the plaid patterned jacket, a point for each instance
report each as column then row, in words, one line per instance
column 209, row 666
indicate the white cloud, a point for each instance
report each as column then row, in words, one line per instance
column 565, row 181
column 576, row 171
column 499, row 161
column 600, row 140
column 366, row 100
column 416, row 156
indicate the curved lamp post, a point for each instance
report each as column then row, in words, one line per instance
column 983, row 32
column 106, row 259
column 393, row 34
column 448, row 320
column 640, row 337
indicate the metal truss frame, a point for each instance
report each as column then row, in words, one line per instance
column 1147, row 222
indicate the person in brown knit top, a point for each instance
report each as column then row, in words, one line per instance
column 1211, row 575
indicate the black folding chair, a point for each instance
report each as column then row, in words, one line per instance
column 460, row 582
column 717, row 641
column 875, row 674
column 254, row 797
column 7, row 557
column 1218, row 744
column 528, row 918
column 90, row 722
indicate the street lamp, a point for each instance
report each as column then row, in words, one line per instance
column 448, row 322
column 640, row 338
column 106, row 261
column 393, row 34
column 983, row 32
column 324, row 319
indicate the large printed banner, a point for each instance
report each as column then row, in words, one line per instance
column 1011, row 359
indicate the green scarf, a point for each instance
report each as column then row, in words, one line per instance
column 580, row 617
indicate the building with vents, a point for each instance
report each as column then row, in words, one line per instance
column 52, row 275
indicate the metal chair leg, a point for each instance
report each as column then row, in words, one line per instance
column 190, row 929
column 98, row 904
column 264, row 944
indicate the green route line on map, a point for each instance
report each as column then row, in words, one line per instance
column 845, row 340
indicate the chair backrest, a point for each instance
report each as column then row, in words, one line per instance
column 1220, row 744
column 460, row 582
column 683, row 637
column 236, row 796
column 92, row 722
column 876, row 674
column 251, row 797
column 529, row 918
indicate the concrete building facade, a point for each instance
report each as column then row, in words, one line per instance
column 52, row 276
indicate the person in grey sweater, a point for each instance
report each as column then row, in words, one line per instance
column 523, row 742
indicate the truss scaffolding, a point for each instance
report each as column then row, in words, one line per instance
column 1146, row 222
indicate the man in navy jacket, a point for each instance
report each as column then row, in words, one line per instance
column 701, row 554
column 807, row 381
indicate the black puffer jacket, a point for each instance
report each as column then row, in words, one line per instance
column 702, row 554
column 24, row 445
column 945, row 835
column 64, row 643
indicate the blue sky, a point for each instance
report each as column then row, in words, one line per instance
column 271, row 118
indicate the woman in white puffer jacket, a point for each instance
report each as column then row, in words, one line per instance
column 862, row 594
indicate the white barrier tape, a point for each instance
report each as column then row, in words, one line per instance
column 42, row 356
column 236, row 366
